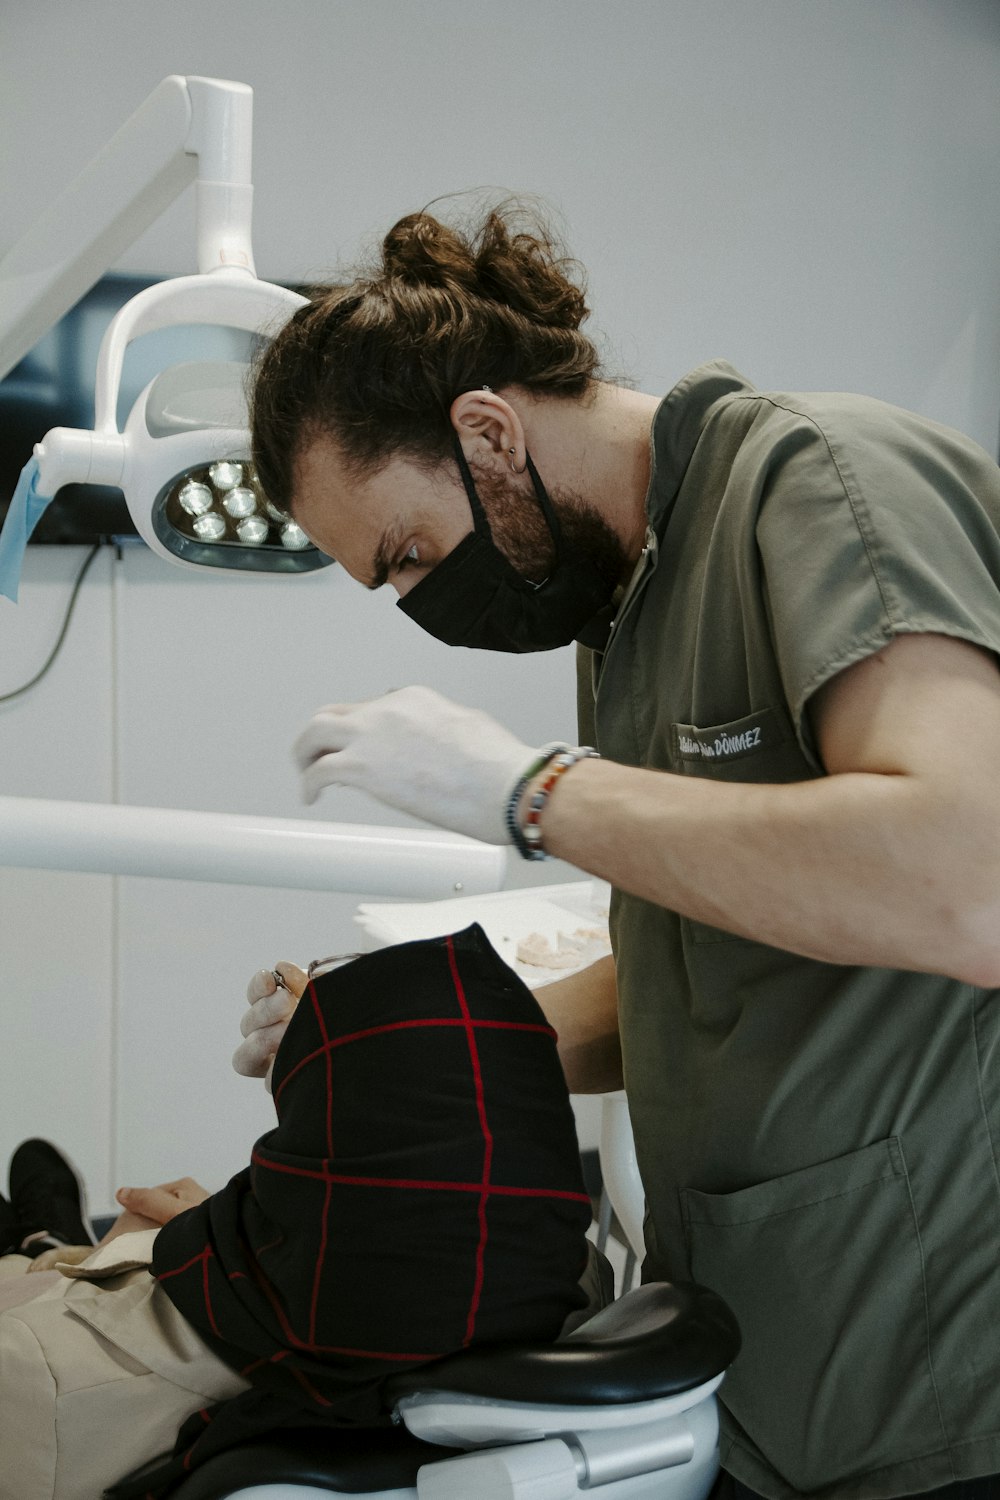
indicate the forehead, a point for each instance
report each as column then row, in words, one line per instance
column 353, row 519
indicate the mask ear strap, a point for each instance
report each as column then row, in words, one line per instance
column 479, row 520
column 548, row 510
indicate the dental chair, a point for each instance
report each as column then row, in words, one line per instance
column 622, row 1408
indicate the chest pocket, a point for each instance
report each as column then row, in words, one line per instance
column 760, row 747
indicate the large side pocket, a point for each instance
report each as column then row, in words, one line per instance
column 823, row 1270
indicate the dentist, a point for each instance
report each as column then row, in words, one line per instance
column 788, row 612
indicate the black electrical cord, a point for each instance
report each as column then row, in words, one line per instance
column 65, row 626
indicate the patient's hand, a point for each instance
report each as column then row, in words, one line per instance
column 264, row 1024
column 144, row 1208
column 148, row 1208
column 67, row 1255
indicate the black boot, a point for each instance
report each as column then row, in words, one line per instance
column 11, row 1233
column 47, row 1197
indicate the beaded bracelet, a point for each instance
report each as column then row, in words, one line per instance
column 547, row 753
column 530, row 841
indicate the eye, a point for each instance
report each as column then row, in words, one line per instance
column 409, row 559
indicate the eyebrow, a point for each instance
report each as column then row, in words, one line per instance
column 385, row 554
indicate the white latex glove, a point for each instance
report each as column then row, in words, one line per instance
column 417, row 751
column 265, row 1023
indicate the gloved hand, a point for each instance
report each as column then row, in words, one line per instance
column 264, row 1024
column 418, row 751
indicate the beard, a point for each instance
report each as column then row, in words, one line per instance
column 522, row 534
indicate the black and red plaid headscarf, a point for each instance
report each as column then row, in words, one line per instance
column 421, row 1192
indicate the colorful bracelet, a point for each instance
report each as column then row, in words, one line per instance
column 530, row 841
column 513, row 826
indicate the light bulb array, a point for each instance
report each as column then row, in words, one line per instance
column 223, row 505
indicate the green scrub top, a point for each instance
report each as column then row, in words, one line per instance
column 819, row 1143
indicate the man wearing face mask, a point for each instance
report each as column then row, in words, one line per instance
column 789, row 615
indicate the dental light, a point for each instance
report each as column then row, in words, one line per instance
column 183, row 458
column 183, row 464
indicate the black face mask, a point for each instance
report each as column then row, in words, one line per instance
column 475, row 597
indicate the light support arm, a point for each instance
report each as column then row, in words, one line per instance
column 240, row 849
column 189, row 129
column 191, row 420
column 68, row 455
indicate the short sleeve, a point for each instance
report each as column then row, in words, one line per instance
column 872, row 523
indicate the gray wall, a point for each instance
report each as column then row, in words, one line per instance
column 806, row 187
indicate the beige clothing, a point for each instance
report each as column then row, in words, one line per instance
column 13, row 1265
column 98, row 1369
column 100, row 1356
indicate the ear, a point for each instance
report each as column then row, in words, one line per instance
column 489, row 429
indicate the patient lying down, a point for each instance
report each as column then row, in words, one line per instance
column 420, row 1192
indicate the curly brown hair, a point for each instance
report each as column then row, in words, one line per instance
column 376, row 362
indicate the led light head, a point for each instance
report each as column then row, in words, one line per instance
column 253, row 531
column 239, row 502
column 226, row 476
column 195, row 498
column 188, row 450
column 294, row 537
column 210, row 528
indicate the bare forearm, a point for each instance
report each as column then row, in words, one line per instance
column 583, row 1009
column 856, row 868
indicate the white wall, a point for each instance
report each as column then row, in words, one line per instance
column 807, row 188
column 57, row 949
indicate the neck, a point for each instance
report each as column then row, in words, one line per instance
column 598, row 448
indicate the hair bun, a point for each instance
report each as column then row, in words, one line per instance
column 523, row 268
column 512, row 260
column 420, row 250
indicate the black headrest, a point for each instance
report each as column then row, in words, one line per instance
column 659, row 1340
